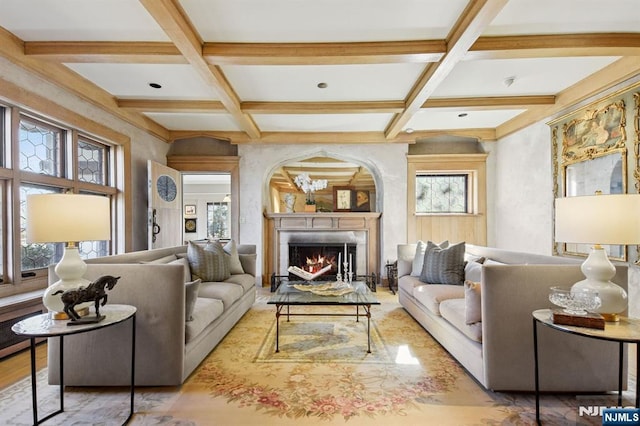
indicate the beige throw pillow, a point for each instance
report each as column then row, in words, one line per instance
column 235, row 267
column 210, row 263
column 472, row 301
column 191, row 294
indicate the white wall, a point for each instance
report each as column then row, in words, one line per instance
column 143, row 145
column 521, row 180
column 387, row 163
column 521, row 188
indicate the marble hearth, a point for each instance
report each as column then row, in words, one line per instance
column 361, row 229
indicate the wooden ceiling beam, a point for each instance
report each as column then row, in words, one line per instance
column 555, row 45
column 498, row 102
column 171, row 18
column 283, row 138
column 364, row 107
column 105, row 52
column 361, row 107
column 473, row 21
column 159, row 105
column 324, row 53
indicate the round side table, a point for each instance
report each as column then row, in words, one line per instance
column 43, row 325
column 627, row 330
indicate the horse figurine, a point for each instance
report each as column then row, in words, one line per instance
column 94, row 292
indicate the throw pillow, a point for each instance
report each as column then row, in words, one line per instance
column 191, row 294
column 210, row 263
column 443, row 265
column 235, row 267
column 472, row 302
column 473, row 271
column 418, row 259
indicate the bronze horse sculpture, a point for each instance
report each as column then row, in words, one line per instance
column 94, row 292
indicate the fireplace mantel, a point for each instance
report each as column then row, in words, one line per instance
column 280, row 225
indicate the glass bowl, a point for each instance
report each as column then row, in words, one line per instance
column 575, row 302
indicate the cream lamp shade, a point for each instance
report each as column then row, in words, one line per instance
column 600, row 219
column 68, row 218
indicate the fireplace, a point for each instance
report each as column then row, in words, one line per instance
column 314, row 256
column 358, row 230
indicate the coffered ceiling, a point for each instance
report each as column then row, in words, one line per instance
column 252, row 71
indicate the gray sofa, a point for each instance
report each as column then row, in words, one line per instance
column 498, row 350
column 168, row 347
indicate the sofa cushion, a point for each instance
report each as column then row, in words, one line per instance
column 191, row 294
column 205, row 312
column 235, row 267
column 443, row 265
column 453, row 310
column 210, row 263
column 227, row 292
column 473, row 305
column 408, row 283
column 247, row 281
column 431, row 296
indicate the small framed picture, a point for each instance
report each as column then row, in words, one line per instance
column 189, row 209
column 360, row 201
column 190, row 225
column 342, row 198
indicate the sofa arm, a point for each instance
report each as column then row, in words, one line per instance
column 158, row 293
column 510, row 293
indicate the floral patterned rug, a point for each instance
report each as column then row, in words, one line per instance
column 322, row 375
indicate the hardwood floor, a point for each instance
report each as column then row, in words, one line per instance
column 18, row 366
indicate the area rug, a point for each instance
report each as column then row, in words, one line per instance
column 322, row 375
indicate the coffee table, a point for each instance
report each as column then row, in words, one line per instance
column 286, row 295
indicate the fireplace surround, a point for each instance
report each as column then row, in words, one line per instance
column 357, row 230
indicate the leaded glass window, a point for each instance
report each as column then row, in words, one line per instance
column 40, row 147
column 441, row 193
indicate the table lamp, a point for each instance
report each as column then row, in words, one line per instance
column 67, row 218
column 600, row 219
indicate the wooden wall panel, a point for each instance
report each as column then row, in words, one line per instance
column 472, row 227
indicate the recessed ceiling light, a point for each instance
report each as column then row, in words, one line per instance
column 322, row 85
column 462, row 114
column 155, row 85
column 408, row 130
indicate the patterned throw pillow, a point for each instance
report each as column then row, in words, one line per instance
column 418, row 259
column 209, row 263
column 443, row 265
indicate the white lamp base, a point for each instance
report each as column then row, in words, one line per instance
column 70, row 269
column 598, row 271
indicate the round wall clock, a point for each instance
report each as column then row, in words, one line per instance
column 166, row 187
column 189, row 225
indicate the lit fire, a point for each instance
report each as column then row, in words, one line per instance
column 316, row 263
